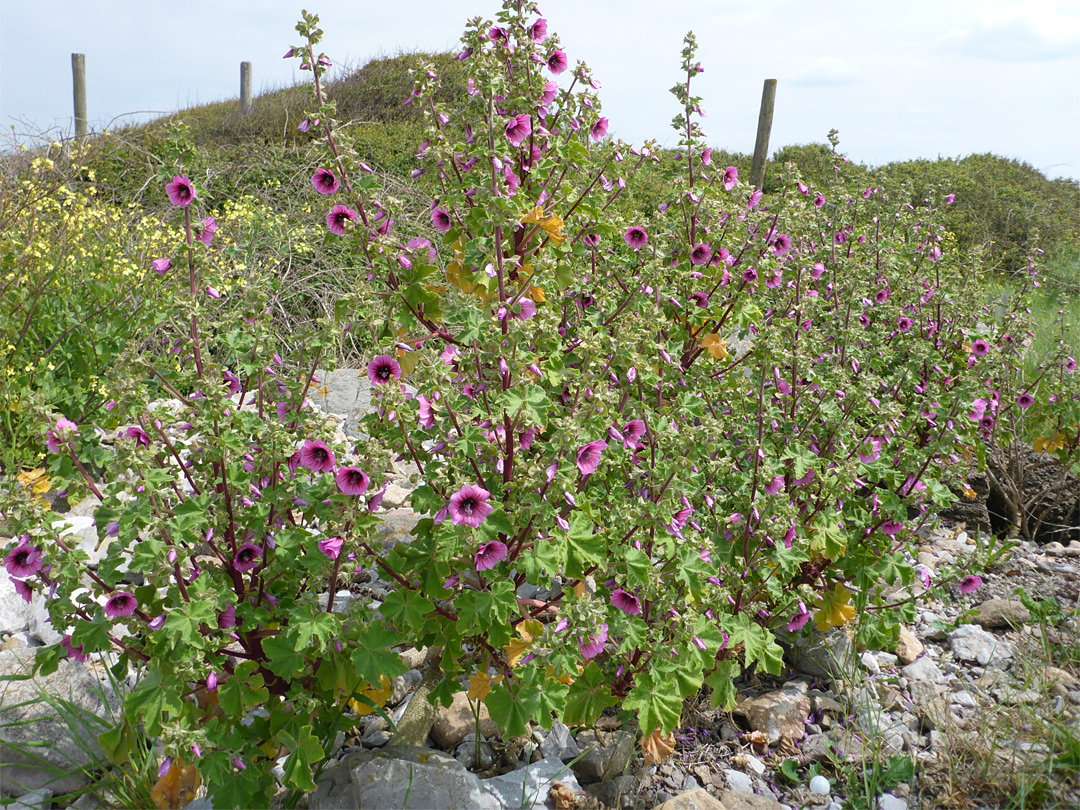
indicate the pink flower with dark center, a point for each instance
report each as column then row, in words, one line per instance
column 518, row 128
column 904, row 324
column 496, row 34
column 441, row 220
column 986, row 423
column 1025, row 401
column 881, row 296
column 352, row 481
column 383, row 369
column 76, row 654
column 636, row 237
column 774, row 486
column 180, row 191
column 247, row 557
column 338, row 219
column 700, row 299
column 592, row 646
column 626, row 602
column 209, row 228
column 980, row 348
column 588, row 457
column 556, row 62
column 469, row 506
column 317, row 457
column 489, row 555
column 139, row 435
column 782, row 244
column 538, row 31
column 1070, row 365
column 750, row 275
column 425, row 415
column 731, row 178
column 60, row 434
column 551, row 91
column 331, row 547
column 324, row 181
column 24, row 560
column 161, row 266
column 701, row 254
column 599, row 129
column 799, row 620
column 819, row 201
column 970, row 584
column 120, row 605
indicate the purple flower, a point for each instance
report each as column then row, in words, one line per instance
column 213, row 293
column 1025, row 401
column 588, row 457
column 636, row 237
column 980, row 348
column 352, row 481
column 706, row 156
column 317, row 457
column 701, row 254
column 904, row 324
column 1070, row 365
column 518, row 128
column 632, row 433
column 819, row 201
column 489, row 555
column 247, row 557
column 782, row 244
column 120, row 605
column 441, row 220
column 60, row 434
column 556, row 62
column 538, row 31
column 774, row 486
column 180, row 192
column 211, row 682
column 949, row 199
column 324, row 181
column 881, row 296
column 469, row 506
column 750, row 274
column 156, row 623
column 161, row 266
column 592, row 646
column 239, row 763
column 139, row 435
column 24, row 560
column 551, row 90
column 799, row 620
column 755, row 198
column 599, row 129
column 338, row 217
column 383, row 369
column 331, row 547
column 76, row 654
column 23, row 590
column 209, row 228
column 731, row 178
column 970, row 584
column 626, row 602
column 227, row 618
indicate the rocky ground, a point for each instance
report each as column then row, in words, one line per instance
column 977, row 706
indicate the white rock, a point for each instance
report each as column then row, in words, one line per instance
column 886, row 801
column 820, row 785
column 737, row 780
column 755, row 764
column 923, row 669
column 14, row 611
column 970, row 642
column 870, row 663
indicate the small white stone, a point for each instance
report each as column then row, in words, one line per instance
column 820, row 785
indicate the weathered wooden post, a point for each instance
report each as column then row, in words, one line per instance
column 764, row 126
column 78, row 84
column 245, row 88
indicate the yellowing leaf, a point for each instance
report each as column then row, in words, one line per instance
column 480, row 684
column 1057, row 442
column 716, row 347
column 657, row 747
column 516, row 649
column 177, row 787
column 530, row 630
column 835, row 611
column 537, row 295
column 969, row 493
column 376, row 694
column 566, row 679
column 552, row 225
column 36, row 481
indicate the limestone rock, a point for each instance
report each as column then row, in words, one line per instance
column 559, row 742
column 429, row 778
column 970, row 642
column 14, row 611
column 532, row 783
column 923, row 669
column 779, row 713
column 1001, row 613
column 743, row 800
column 604, row 755
column 38, row 724
column 453, row 722
column 823, row 655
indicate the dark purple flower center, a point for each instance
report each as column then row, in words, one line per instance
column 383, row 372
column 355, row 478
column 246, row 555
column 121, row 602
column 320, row 455
column 22, row 557
column 467, row 505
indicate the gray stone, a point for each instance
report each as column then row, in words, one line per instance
column 737, row 780
column 611, row 792
column 824, row 655
column 376, row 739
column 528, row 788
column 475, row 756
column 970, row 642
column 429, row 778
column 395, row 496
column 345, row 391
column 26, row 719
column 870, row 663
column 965, row 699
column 453, row 722
column 743, row 800
column 559, row 742
column 14, row 610
column 33, row 800
column 396, row 527
column 1003, row 613
column 40, row 622
column 342, row 601
column 604, row 755
column 923, row 669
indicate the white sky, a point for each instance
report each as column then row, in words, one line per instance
column 899, row 80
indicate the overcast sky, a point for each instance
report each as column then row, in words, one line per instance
column 898, row 79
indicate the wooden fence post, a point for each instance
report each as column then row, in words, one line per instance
column 245, row 87
column 78, row 83
column 764, row 126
